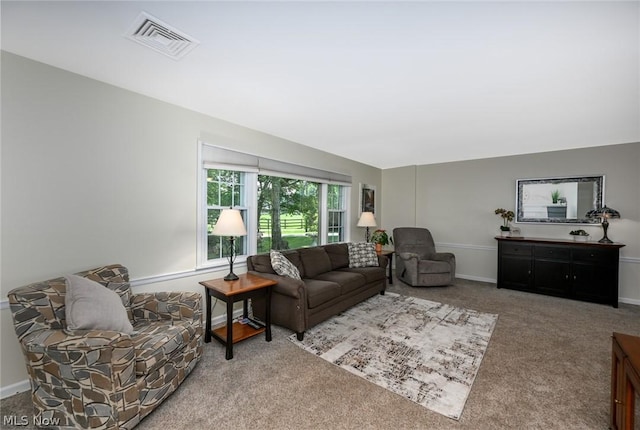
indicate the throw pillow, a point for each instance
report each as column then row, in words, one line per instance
column 362, row 255
column 283, row 266
column 92, row 306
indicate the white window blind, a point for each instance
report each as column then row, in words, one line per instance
column 216, row 157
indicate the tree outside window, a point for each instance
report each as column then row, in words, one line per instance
column 287, row 213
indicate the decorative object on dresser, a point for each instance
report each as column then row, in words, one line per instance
column 579, row 235
column 586, row 271
column 507, row 217
column 625, row 381
column 367, row 220
column 230, row 224
column 604, row 213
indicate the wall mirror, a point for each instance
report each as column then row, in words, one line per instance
column 559, row 200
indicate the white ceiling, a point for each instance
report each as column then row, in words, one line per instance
column 385, row 83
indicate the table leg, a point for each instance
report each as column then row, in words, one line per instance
column 268, row 315
column 390, row 268
column 229, row 342
column 207, row 333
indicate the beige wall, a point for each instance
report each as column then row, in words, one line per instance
column 93, row 174
column 456, row 201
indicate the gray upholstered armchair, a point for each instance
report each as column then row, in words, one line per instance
column 417, row 262
column 102, row 378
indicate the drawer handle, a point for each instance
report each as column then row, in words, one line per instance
column 618, row 402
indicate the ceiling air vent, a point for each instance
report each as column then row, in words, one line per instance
column 157, row 35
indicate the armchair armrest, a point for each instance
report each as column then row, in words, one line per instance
column 285, row 285
column 443, row 256
column 84, row 341
column 167, row 306
column 408, row 256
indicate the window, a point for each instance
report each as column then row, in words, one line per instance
column 225, row 188
column 284, row 206
column 336, row 213
column 288, row 213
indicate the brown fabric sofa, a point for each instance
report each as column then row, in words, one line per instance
column 99, row 378
column 328, row 285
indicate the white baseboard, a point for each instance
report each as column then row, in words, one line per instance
column 476, row 278
column 13, row 389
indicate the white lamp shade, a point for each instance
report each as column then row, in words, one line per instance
column 230, row 224
column 367, row 220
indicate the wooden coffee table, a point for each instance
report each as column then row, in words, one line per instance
column 246, row 287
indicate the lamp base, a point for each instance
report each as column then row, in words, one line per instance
column 231, row 277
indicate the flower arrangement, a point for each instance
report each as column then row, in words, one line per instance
column 507, row 217
column 380, row 236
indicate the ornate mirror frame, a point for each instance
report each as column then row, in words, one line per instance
column 558, row 200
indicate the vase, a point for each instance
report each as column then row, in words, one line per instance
column 378, row 247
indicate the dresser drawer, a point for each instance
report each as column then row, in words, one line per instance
column 553, row 253
column 522, row 249
column 595, row 256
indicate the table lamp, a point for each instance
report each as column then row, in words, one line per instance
column 230, row 224
column 605, row 213
column 367, row 220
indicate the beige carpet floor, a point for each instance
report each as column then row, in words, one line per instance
column 547, row 367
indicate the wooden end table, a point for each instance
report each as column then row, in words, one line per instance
column 389, row 254
column 244, row 288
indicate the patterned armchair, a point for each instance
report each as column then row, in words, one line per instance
column 105, row 379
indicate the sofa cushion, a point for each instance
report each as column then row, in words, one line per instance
column 362, row 254
column 433, row 266
column 92, row 306
column 315, row 261
column 319, row 292
column 371, row 274
column 283, row 266
column 262, row 263
column 155, row 341
column 348, row 281
column 338, row 254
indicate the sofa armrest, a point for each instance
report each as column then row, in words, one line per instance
column 383, row 260
column 285, row 285
column 167, row 306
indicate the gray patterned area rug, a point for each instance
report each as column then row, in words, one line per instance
column 425, row 351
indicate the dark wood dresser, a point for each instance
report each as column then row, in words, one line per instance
column 585, row 271
column 625, row 381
